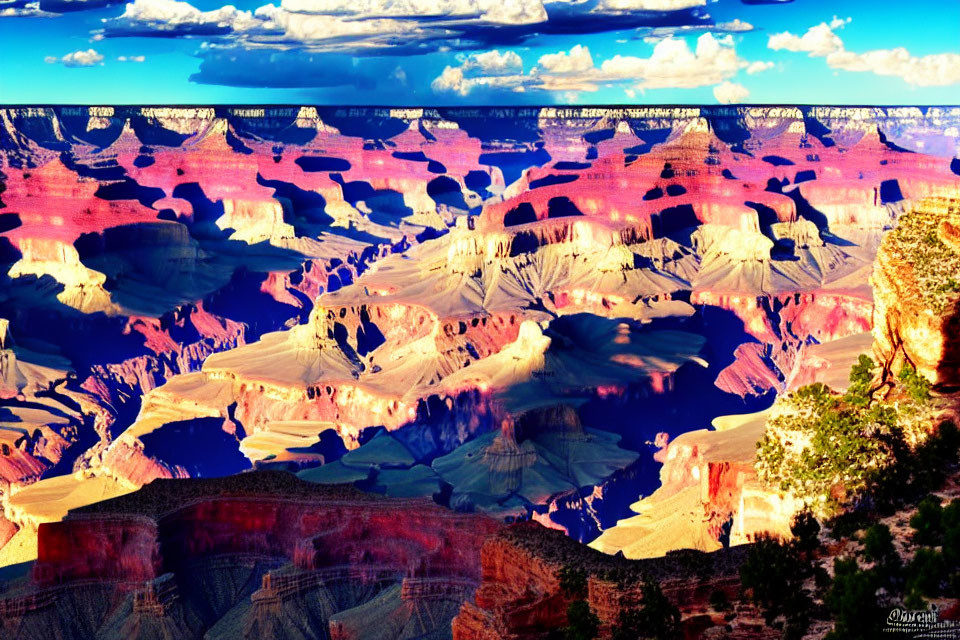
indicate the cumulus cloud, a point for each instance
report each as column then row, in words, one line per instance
column 86, row 58
column 759, row 66
column 673, row 64
column 453, row 80
column 820, row 41
column 157, row 17
column 22, row 9
column 494, row 63
column 927, row 71
column 730, row 93
column 404, row 26
column 131, row 58
column 578, row 59
column 486, row 69
column 371, row 29
column 653, row 35
column 837, row 23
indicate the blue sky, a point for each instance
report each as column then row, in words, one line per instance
column 417, row 52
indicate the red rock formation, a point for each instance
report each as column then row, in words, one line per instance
column 117, row 548
column 315, row 526
column 520, row 595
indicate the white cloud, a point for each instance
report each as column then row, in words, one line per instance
column 673, row 64
column 927, row 71
column 453, row 80
column 131, row 58
column 654, row 35
column 578, row 59
column 838, row 23
column 759, row 67
column 420, row 26
column 497, row 11
column 86, row 58
column 730, row 93
column 736, row 25
column 29, row 10
column 494, row 63
column 317, row 28
column 173, row 15
column 820, row 41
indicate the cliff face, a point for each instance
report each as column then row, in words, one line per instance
column 916, row 283
column 708, row 490
column 321, row 557
column 520, row 594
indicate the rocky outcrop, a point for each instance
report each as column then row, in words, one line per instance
column 152, row 542
column 520, row 594
column 708, row 492
column 916, row 284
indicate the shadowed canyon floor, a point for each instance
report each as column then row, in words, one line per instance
column 572, row 316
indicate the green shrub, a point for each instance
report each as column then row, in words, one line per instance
column 916, row 386
column 773, row 575
column 573, row 582
column 832, row 450
column 878, row 544
column 950, row 525
column 582, row 623
column 861, row 380
column 878, row 547
column 852, row 599
column 925, row 573
column 926, row 521
column 806, row 531
column 655, row 619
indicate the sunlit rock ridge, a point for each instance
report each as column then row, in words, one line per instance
column 507, row 311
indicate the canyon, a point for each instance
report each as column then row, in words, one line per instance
column 576, row 317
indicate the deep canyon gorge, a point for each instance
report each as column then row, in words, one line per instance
column 299, row 372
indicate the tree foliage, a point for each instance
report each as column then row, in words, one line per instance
column 573, row 582
column 852, row 598
column 656, row 618
column 773, row 576
column 582, row 623
column 830, row 449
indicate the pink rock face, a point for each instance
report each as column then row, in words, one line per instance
column 777, row 360
column 414, row 536
column 427, row 268
column 7, row 530
column 54, row 204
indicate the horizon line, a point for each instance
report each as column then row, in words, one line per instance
column 44, row 105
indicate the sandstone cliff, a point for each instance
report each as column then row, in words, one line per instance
column 520, row 594
column 916, row 281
